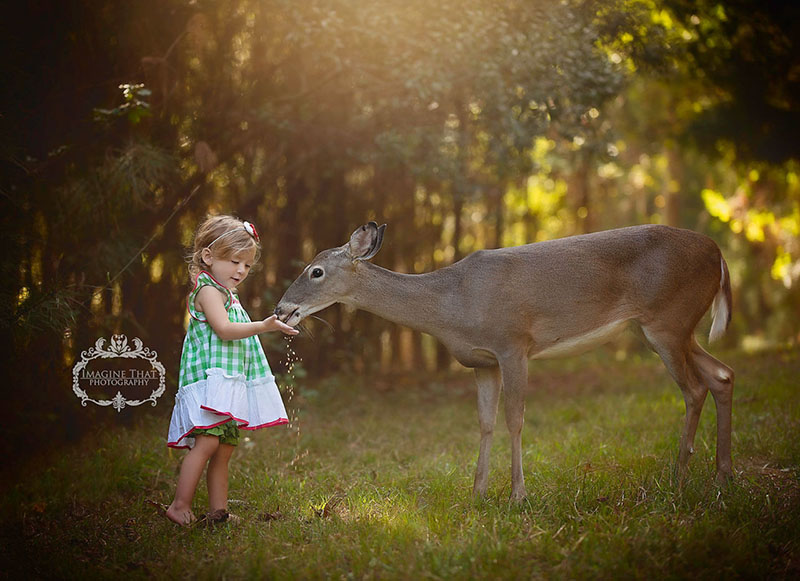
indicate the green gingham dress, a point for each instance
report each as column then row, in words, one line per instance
column 222, row 380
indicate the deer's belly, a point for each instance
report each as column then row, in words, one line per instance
column 474, row 358
column 564, row 347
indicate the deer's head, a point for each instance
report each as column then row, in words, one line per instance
column 330, row 277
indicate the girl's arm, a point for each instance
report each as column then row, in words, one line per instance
column 211, row 302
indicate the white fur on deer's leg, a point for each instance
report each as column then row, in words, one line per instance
column 488, row 382
column 515, row 380
column 719, row 378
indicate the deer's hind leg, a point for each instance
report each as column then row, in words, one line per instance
column 515, row 381
column 718, row 378
column 489, row 384
column 676, row 353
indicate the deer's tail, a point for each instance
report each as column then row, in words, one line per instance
column 722, row 305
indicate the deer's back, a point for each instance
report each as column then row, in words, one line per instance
column 622, row 273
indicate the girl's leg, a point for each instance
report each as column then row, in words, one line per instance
column 217, row 478
column 180, row 511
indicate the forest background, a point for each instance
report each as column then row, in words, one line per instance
column 463, row 125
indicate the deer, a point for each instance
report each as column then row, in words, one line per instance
column 497, row 309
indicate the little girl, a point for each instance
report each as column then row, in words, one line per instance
column 225, row 381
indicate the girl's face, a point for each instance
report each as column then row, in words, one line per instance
column 231, row 271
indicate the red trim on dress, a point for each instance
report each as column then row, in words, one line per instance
column 244, row 426
column 174, row 444
column 278, row 422
column 231, row 416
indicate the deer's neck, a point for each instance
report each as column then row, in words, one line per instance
column 414, row 300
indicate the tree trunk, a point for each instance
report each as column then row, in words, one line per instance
column 671, row 192
column 579, row 189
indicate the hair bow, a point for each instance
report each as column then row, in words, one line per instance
column 252, row 231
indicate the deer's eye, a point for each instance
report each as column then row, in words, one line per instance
column 316, row 273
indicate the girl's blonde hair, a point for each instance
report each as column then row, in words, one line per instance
column 226, row 235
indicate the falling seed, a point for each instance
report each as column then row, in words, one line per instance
column 291, row 359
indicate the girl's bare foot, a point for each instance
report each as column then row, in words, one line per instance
column 218, row 517
column 181, row 517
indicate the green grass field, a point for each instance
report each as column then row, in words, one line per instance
column 374, row 481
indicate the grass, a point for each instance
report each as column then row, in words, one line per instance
column 374, row 481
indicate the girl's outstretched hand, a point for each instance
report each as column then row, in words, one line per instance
column 273, row 324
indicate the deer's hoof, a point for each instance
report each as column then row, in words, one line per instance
column 724, row 478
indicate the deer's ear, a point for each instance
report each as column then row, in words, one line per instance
column 366, row 241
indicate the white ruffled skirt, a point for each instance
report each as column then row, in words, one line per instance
column 218, row 398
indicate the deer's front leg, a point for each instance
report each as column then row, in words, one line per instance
column 488, row 381
column 515, row 381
